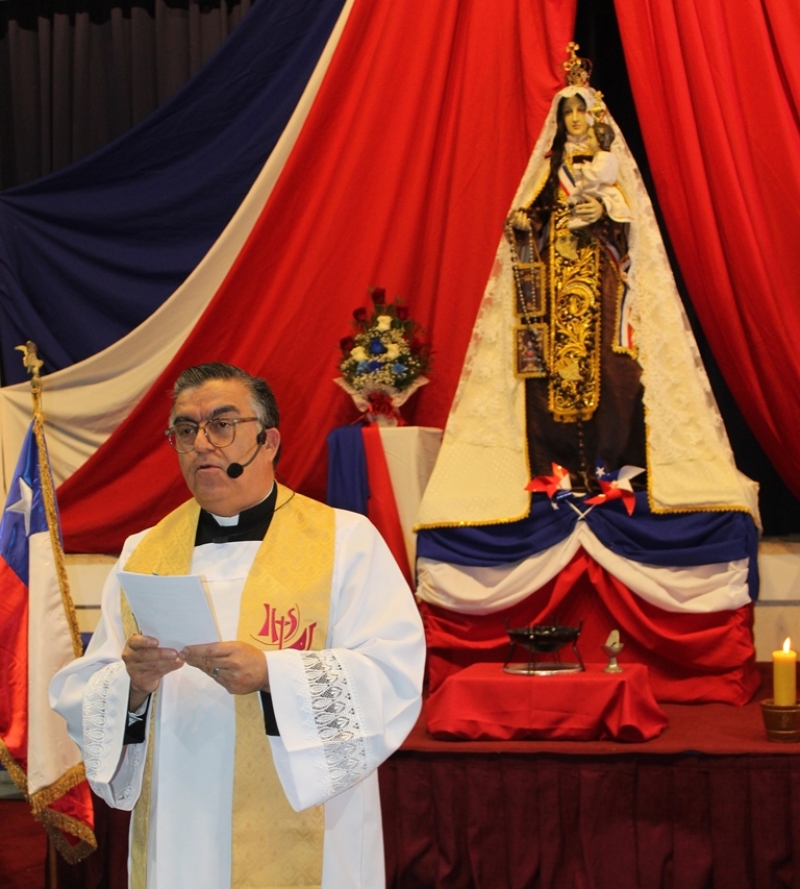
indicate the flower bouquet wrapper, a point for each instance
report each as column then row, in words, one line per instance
column 381, row 406
column 384, row 362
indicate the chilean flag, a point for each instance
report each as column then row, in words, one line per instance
column 38, row 636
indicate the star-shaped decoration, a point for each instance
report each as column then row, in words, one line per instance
column 24, row 504
column 617, row 486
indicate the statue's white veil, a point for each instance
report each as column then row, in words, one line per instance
column 482, row 468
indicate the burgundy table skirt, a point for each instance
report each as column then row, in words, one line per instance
column 484, row 703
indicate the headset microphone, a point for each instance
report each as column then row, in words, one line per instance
column 234, row 470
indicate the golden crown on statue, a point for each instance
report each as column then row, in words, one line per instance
column 578, row 70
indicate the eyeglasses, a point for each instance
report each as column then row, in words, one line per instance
column 219, row 432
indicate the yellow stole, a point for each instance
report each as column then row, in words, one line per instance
column 285, row 603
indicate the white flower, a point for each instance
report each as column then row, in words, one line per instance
column 383, row 323
column 392, row 351
column 359, row 353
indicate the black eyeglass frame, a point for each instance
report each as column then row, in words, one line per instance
column 231, row 421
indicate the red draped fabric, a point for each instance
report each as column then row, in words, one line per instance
column 401, row 178
column 717, row 91
column 692, row 657
column 381, row 506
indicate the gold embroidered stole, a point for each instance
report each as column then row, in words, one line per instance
column 141, row 813
column 285, row 604
column 575, row 319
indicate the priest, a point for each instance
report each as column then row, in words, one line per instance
column 250, row 762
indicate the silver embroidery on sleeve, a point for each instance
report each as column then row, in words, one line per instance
column 336, row 720
column 99, row 717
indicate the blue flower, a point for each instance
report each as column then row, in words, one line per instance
column 375, row 365
column 376, row 347
column 362, row 367
column 399, row 368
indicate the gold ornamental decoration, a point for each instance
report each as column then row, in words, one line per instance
column 574, row 378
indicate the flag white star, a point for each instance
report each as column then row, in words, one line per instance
column 24, row 503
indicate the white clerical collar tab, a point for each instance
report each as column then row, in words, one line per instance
column 227, row 521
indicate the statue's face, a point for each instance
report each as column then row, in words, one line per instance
column 573, row 112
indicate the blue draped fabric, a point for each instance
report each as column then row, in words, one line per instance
column 670, row 540
column 348, row 485
column 89, row 252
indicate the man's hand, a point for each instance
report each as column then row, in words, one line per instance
column 240, row 668
column 146, row 663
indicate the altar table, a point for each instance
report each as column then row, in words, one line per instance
column 484, row 703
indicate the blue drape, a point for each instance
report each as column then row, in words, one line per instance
column 672, row 540
column 348, row 485
column 89, row 252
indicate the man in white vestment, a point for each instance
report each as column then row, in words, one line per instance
column 250, row 762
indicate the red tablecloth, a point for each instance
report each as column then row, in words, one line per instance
column 484, row 703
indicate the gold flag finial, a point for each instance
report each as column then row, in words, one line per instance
column 31, row 359
column 33, row 364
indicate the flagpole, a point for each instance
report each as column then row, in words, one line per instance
column 76, row 774
column 33, row 364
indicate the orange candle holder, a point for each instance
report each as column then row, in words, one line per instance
column 781, row 723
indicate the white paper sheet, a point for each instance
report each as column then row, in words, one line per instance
column 172, row 608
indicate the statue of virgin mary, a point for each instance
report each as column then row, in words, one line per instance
column 581, row 354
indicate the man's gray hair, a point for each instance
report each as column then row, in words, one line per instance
column 264, row 404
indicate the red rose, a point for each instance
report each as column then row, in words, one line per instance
column 402, row 313
column 360, row 315
column 347, row 344
column 378, row 295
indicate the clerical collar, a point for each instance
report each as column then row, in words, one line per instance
column 252, row 524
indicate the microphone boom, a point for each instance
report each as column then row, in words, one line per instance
column 234, row 470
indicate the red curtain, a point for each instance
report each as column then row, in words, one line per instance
column 401, row 178
column 716, row 85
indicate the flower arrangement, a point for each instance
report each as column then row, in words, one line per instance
column 383, row 364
